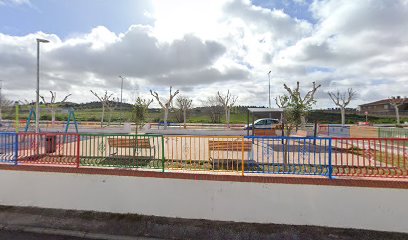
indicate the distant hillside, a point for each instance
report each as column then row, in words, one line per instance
column 91, row 111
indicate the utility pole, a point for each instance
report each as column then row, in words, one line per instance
column 37, row 103
column 121, row 99
column 269, row 77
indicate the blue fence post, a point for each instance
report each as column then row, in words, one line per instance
column 16, row 149
column 330, row 160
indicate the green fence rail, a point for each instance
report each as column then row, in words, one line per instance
column 392, row 132
column 122, row 151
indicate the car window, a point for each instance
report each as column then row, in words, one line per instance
column 269, row 122
column 262, row 122
column 274, row 121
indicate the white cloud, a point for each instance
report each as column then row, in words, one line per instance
column 205, row 46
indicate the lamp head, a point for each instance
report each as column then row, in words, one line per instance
column 42, row 40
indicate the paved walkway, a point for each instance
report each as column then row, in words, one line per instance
column 36, row 223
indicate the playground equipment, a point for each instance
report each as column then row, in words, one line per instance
column 71, row 118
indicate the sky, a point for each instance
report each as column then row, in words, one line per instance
column 201, row 47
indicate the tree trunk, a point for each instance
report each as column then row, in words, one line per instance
column 303, row 122
column 52, row 117
column 397, row 115
column 103, row 113
column 343, row 115
column 227, row 117
column 166, row 114
column 109, row 118
column 185, row 117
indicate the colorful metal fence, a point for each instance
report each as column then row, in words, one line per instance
column 290, row 155
column 122, row 151
column 8, row 147
column 378, row 157
column 208, row 153
column 48, row 148
column 372, row 157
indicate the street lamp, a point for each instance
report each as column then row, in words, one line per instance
column 269, row 76
column 121, row 90
column 37, row 114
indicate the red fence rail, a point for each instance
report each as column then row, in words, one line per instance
column 375, row 157
column 48, row 148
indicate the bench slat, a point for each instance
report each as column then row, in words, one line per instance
column 129, row 143
column 229, row 145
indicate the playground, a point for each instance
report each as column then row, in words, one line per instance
column 328, row 150
column 322, row 155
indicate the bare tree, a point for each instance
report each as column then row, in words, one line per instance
column 51, row 104
column 298, row 105
column 342, row 100
column 4, row 103
column 184, row 104
column 396, row 102
column 167, row 103
column 212, row 104
column 111, row 105
column 227, row 102
column 104, row 101
column 282, row 101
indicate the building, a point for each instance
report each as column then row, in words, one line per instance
column 382, row 107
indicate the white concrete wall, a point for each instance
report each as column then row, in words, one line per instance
column 347, row 207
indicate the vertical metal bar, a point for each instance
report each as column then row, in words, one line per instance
column 162, row 143
column 330, row 159
column 242, row 151
column 16, row 150
column 78, row 151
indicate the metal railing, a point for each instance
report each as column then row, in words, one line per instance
column 290, row 155
column 48, row 148
column 122, row 151
column 8, row 147
column 377, row 157
column 361, row 157
column 384, row 132
column 334, row 130
column 205, row 153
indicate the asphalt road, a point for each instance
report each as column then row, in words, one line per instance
column 14, row 235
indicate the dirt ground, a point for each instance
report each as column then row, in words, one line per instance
column 174, row 228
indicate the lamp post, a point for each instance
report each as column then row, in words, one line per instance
column 121, row 90
column 37, row 114
column 269, row 77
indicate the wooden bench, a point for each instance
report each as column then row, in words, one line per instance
column 234, row 146
column 129, row 142
column 132, row 143
column 215, row 145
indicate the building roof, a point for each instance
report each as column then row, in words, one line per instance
column 380, row 102
column 265, row 110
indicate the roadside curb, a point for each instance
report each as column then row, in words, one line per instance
column 69, row 233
